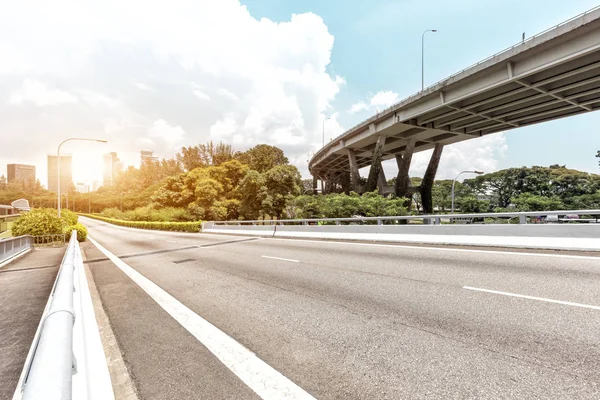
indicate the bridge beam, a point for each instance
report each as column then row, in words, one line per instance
column 375, row 164
column 354, row 173
column 429, row 177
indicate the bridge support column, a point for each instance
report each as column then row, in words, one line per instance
column 346, row 182
column 354, row 174
column 375, row 164
column 429, row 177
column 404, row 160
column 315, row 183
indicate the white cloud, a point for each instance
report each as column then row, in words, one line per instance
column 201, row 95
column 136, row 72
column 356, row 107
column 172, row 136
column 38, row 93
column 227, row 93
column 375, row 103
column 384, row 98
column 483, row 154
column 143, row 86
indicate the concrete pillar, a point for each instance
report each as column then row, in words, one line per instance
column 354, row 174
column 346, row 182
column 375, row 164
column 429, row 177
column 403, row 180
column 315, row 184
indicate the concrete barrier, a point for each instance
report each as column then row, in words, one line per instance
column 584, row 237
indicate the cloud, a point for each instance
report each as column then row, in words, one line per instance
column 356, row 107
column 140, row 79
column 172, row 136
column 375, row 103
column 483, row 154
column 41, row 95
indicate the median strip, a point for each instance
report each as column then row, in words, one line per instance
column 264, row 380
column 565, row 303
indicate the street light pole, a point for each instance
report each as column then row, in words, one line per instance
column 423, row 57
column 454, row 181
column 58, row 163
column 325, row 119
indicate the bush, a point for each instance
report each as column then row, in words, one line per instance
column 69, row 217
column 37, row 222
column 81, row 231
column 156, row 225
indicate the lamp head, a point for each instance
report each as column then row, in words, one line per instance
column 479, row 172
column 101, row 140
column 434, row 30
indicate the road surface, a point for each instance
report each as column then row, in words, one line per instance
column 335, row 320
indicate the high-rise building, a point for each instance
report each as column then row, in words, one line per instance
column 66, row 175
column 147, row 155
column 81, row 187
column 96, row 185
column 20, row 173
column 112, row 168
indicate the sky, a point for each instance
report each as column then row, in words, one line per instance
column 158, row 75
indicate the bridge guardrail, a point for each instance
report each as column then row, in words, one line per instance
column 10, row 247
column 434, row 219
column 66, row 359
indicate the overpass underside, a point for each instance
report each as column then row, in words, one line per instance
column 553, row 75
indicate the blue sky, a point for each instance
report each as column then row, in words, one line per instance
column 378, row 47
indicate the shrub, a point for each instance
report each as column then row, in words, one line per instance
column 156, row 225
column 37, row 222
column 69, row 217
column 81, row 231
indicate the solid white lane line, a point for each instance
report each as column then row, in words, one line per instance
column 565, row 303
column 512, row 253
column 282, row 259
column 265, row 381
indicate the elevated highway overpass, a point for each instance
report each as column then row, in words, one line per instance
column 554, row 74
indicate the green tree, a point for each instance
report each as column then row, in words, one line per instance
column 282, row 184
column 262, row 157
column 532, row 202
column 252, row 191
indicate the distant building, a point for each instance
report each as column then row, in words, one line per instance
column 66, row 173
column 96, row 185
column 20, row 173
column 81, row 187
column 147, row 155
column 112, row 168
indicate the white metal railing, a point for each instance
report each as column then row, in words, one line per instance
column 416, row 94
column 10, row 247
column 434, row 219
column 66, row 360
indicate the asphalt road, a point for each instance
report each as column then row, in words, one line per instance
column 353, row 321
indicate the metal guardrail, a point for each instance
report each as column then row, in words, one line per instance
column 414, row 95
column 10, row 247
column 434, row 219
column 48, row 375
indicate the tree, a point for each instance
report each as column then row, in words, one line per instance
column 190, row 158
column 262, row 157
column 282, row 184
column 532, row 202
column 598, row 155
column 252, row 191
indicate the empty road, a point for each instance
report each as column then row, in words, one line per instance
column 338, row 320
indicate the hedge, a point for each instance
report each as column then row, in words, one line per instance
column 160, row 226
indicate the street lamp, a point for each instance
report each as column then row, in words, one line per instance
column 58, row 163
column 325, row 119
column 423, row 57
column 454, row 181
